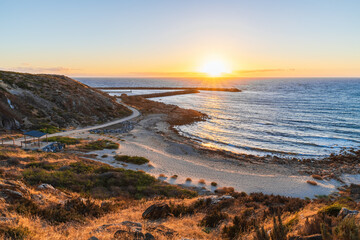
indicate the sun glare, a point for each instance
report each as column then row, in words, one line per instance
column 215, row 68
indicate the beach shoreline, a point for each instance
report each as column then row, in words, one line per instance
column 171, row 154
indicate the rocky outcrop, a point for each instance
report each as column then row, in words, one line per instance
column 344, row 212
column 11, row 190
column 33, row 100
column 157, row 211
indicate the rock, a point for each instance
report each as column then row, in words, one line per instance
column 161, row 229
column 93, row 238
column 157, row 211
column 132, row 226
column 344, row 212
column 45, row 186
column 149, row 236
column 217, row 199
column 311, row 237
column 123, row 234
column 10, row 194
column 354, row 189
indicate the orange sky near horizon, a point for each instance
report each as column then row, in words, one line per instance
column 253, row 39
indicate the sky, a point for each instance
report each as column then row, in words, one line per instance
column 173, row 38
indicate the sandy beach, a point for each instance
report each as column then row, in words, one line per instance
column 170, row 154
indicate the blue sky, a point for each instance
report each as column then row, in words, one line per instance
column 310, row 38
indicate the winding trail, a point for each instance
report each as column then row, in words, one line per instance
column 135, row 113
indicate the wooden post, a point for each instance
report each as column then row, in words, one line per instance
column 25, row 140
column 14, row 141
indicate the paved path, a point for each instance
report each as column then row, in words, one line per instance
column 135, row 113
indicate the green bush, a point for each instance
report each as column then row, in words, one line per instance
column 64, row 140
column 101, row 145
column 332, row 210
column 47, row 128
column 135, row 160
column 103, row 181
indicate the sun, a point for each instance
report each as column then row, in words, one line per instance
column 215, row 68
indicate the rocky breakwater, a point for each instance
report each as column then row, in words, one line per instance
column 175, row 114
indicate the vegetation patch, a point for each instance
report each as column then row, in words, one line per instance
column 64, row 140
column 14, row 233
column 50, row 129
column 103, row 181
column 101, row 145
column 134, row 160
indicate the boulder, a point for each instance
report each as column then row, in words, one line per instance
column 344, row 212
column 45, row 186
column 157, row 211
column 93, row 238
column 149, row 236
column 161, row 229
column 123, row 234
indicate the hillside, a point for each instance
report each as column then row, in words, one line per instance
column 66, row 196
column 35, row 101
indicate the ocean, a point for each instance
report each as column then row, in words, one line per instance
column 298, row 117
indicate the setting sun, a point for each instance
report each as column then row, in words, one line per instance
column 215, row 68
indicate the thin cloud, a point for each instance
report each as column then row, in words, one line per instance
column 31, row 69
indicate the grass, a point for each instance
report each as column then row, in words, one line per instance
column 64, row 140
column 101, row 145
column 134, row 160
column 101, row 181
column 47, row 128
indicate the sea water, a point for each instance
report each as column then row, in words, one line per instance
column 302, row 117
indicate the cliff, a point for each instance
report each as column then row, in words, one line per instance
column 32, row 101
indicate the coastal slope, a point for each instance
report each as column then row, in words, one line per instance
column 38, row 101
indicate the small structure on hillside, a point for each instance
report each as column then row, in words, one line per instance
column 34, row 135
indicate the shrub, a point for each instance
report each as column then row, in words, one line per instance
column 214, row 184
column 162, row 175
column 332, row 210
column 311, row 182
column 260, row 234
column 188, row 179
column 134, row 160
column 241, row 224
column 104, row 156
column 347, row 229
column 14, row 233
column 64, row 140
column 174, row 176
column 201, row 181
column 103, row 181
column 213, row 219
column 101, row 145
column 279, row 231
